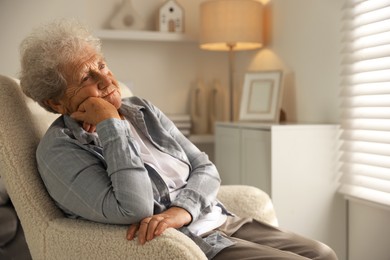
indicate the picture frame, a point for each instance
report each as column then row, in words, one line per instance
column 261, row 96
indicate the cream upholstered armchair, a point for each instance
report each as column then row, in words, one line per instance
column 49, row 234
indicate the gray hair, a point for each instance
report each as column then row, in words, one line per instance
column 45, row 53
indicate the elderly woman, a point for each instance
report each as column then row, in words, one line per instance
column 124, row 162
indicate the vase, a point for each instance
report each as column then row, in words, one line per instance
column 198, row 108
column 127, row 18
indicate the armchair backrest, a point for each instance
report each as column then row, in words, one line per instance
column 19, row 137
column 22, row 124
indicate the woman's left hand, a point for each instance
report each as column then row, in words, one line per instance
column 155, row 225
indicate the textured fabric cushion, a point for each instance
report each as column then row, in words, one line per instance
column 18, row 167
column 248, row 201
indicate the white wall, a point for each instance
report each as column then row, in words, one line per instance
column 369, row 232
column 161, row 72
column 17, row 18
column 302, row 41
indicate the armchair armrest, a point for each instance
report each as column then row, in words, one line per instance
column 248, row 201
column 79, row 239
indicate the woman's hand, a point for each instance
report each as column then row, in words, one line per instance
column 89, row 128
column 93, row 111
column 154, row 226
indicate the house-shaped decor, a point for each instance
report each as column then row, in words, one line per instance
column 171, row 17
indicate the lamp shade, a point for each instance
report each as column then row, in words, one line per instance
column 231, row 25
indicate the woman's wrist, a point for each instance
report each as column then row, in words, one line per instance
column 185, row 216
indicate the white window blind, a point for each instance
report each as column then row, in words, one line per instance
column 365, row 106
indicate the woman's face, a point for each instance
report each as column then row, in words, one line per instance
column 87, row 76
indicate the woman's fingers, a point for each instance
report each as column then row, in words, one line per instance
column 151, row 227
column 154, row 224
column 162, row 225
column 131, row 231
column 142, row 231
column 94, row 110
column 89, row 128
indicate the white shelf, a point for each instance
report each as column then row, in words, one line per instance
column 144, row 36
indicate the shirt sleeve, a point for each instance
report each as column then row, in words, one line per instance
column 114, row 188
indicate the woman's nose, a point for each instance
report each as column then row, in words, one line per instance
column 103, row 81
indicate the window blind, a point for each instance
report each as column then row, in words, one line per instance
column 365, row 101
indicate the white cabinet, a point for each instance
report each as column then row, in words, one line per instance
column 297, row 166
column 242, row 155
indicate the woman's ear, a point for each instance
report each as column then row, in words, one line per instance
column 56, row 106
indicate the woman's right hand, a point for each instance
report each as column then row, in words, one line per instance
column 93, row 111
column 154, row 226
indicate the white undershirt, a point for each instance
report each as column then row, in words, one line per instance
column 175, row 174
column 173, row 171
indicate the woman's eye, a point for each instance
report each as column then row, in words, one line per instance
column 86, row 78
column 102, row 66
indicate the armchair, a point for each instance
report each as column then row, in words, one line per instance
column 49, row 234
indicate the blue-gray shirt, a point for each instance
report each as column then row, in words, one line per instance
column 101, row 176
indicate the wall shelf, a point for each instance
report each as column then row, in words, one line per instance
column 144, row 36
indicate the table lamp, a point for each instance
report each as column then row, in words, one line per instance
column 231, row 25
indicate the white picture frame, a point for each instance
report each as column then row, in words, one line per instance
column 261, row 96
